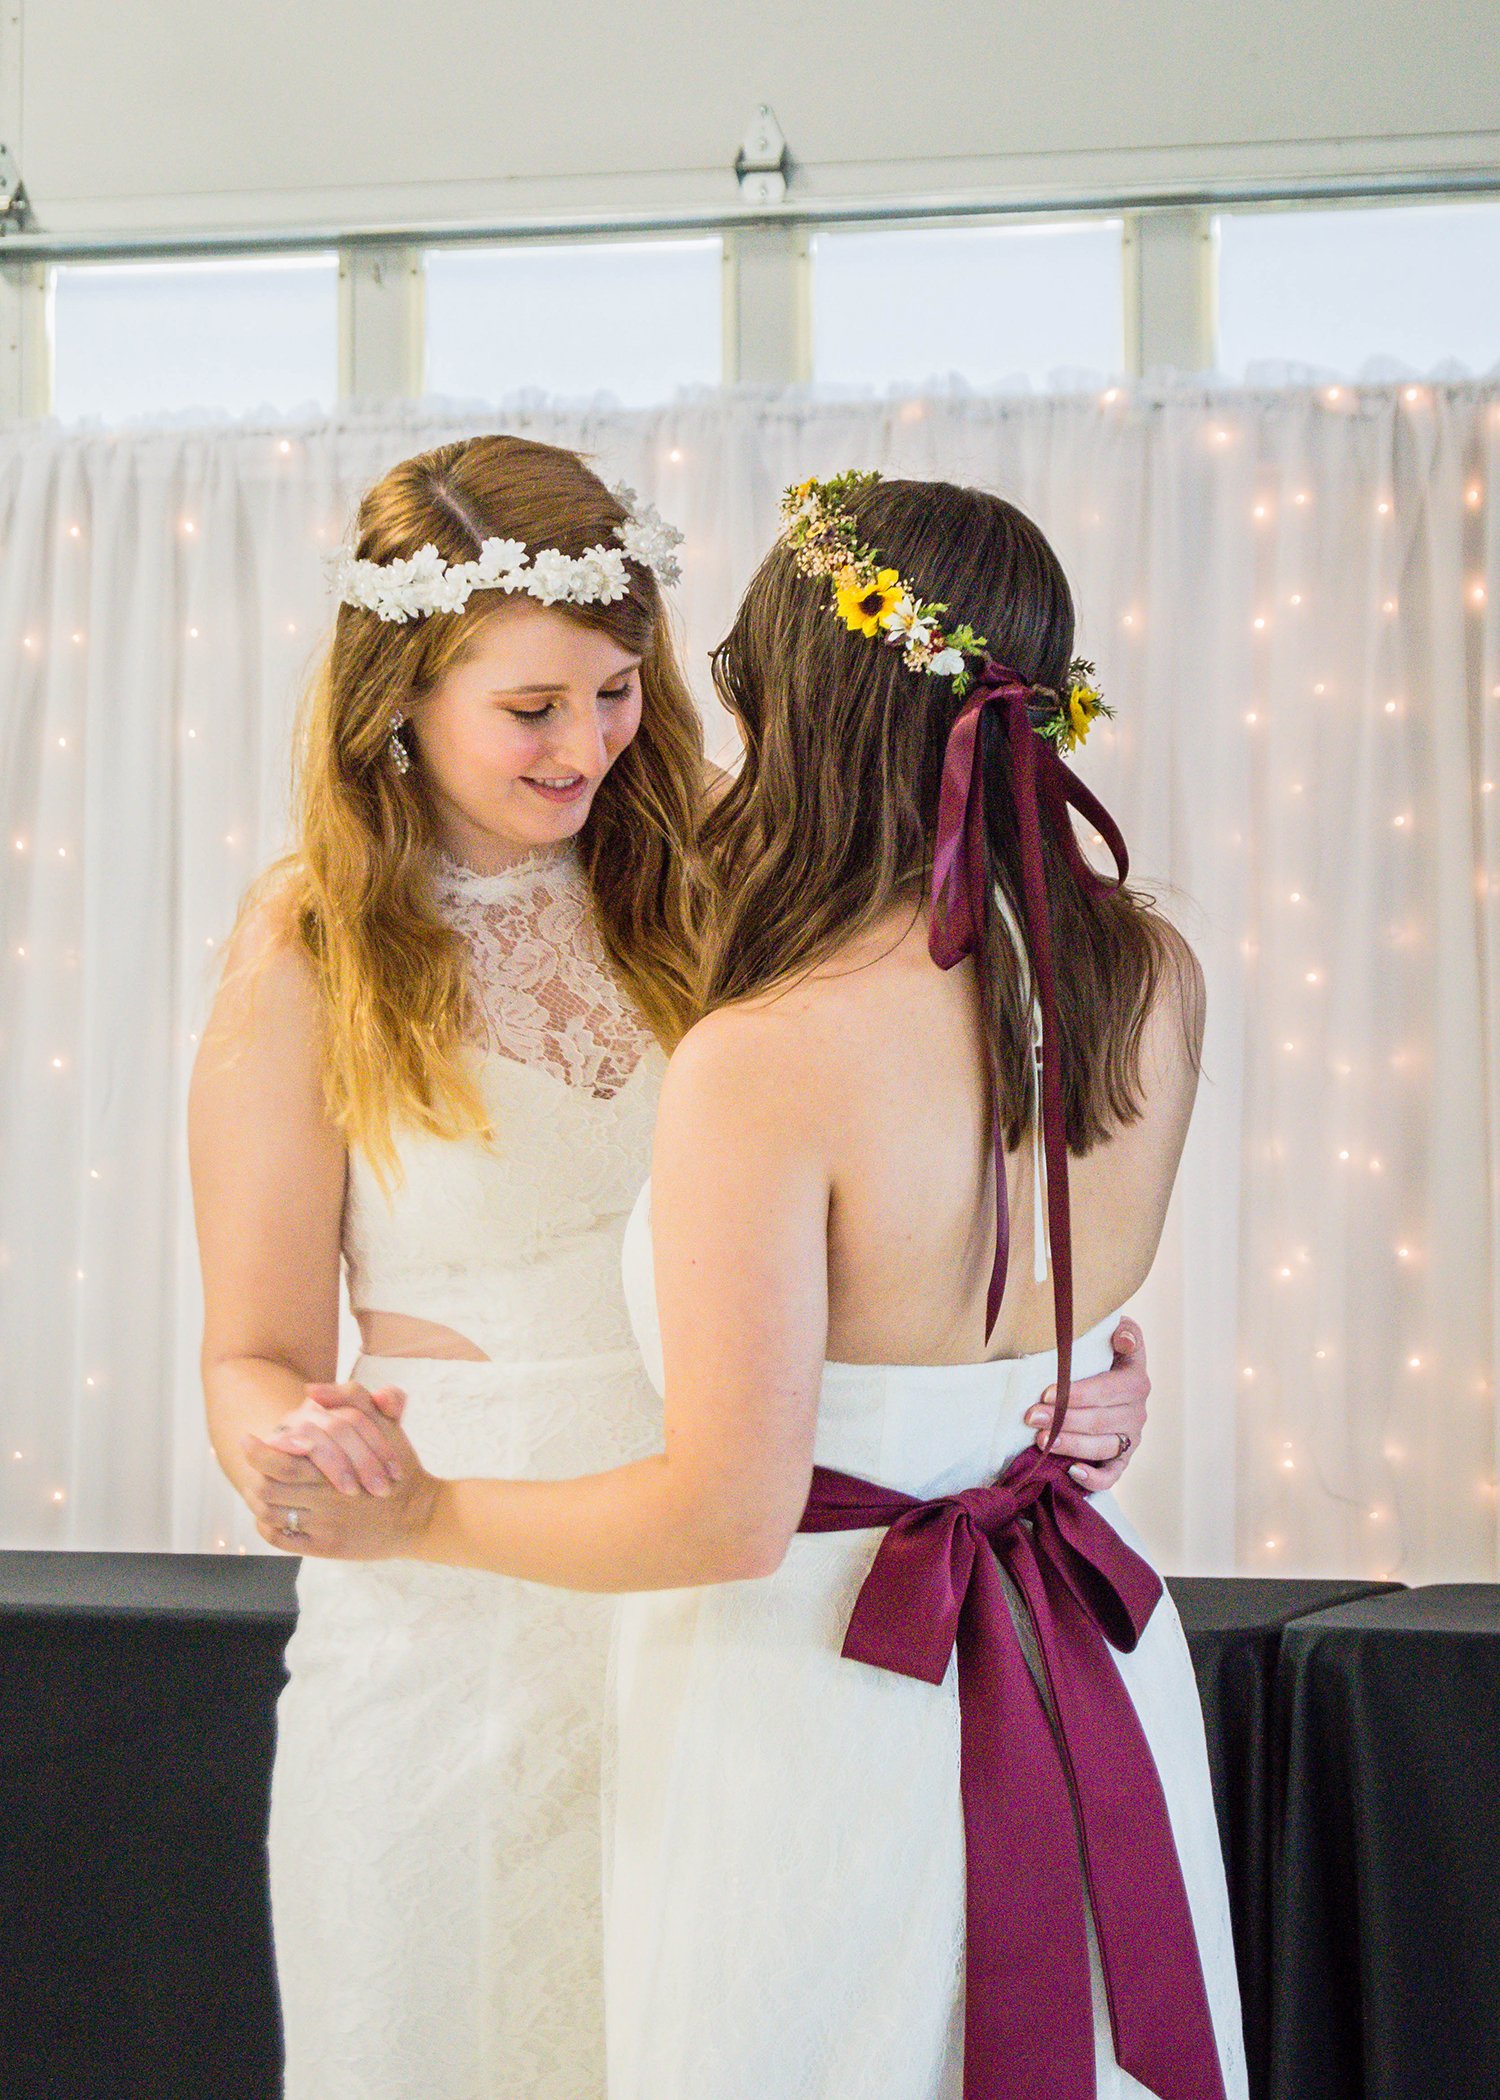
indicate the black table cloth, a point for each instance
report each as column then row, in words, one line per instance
column 137, row 1705
column 137, row 1726
column 1234, row 1627
column 1387, row 1850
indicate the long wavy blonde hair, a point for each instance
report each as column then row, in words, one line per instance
column 354, row 891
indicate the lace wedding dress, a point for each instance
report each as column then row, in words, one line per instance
column 784, row 1841
column 434, row 1833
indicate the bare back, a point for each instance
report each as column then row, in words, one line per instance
column 899, row 1066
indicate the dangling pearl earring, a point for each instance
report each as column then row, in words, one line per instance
column 394, row 744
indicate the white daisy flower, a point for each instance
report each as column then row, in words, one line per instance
column 552, row 576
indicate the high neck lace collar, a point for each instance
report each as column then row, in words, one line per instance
column 555, row 863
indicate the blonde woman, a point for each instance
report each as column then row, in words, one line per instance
column 437, row 1051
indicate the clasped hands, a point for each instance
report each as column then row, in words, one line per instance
column 344, row 1464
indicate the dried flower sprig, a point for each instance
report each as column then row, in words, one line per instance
column 874, row 600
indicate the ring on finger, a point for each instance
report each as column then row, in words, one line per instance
column 1123, row 1441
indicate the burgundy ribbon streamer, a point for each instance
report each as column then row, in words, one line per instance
column 936, row 1581
column 960, row 900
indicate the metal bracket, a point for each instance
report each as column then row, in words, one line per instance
column 763, row 162
column 15, row 205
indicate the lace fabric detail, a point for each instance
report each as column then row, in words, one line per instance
column 544, row 993
column 434, row 1831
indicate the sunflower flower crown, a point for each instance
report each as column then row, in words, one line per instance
column 874, row 600
column 407, row 587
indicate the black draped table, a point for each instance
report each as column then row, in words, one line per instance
column 1234, row 1627
column 137, row 1723
column 1387, row 1849
column 137, row 1720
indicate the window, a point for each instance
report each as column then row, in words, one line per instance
column 132, row 339
column 635, row 319
column 1335, row 288
column 983, row 303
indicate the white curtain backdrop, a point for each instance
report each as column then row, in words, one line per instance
column 1292, row 598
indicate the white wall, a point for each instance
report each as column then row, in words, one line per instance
column 288, row 112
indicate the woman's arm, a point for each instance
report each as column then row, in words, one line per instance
column 268, row 1189
column 740, row 1195
column 740, row 1222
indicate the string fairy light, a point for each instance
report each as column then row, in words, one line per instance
column 1285, row 1459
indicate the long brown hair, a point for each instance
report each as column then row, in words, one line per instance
column 354, row 891
column 830, row 823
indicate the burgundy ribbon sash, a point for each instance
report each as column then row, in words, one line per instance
column 960, row 900
column 936, row 1580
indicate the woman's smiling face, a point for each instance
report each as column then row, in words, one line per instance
column 515, row 738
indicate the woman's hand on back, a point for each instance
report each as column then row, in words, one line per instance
column 1101, row 1410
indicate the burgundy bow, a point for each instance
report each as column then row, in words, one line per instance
column 1029, row 2030
column 960, row 887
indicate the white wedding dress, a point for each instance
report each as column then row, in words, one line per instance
column 784, row 1842
column 434, row 1834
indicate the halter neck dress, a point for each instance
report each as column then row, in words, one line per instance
column 785, row 1888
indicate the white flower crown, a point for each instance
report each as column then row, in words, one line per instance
column 407, row 587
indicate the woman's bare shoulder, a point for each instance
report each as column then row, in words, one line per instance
column 1172, row 1030
column 268, row 988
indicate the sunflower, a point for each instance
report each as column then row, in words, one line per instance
column 1084, row 703
column 865, row 605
